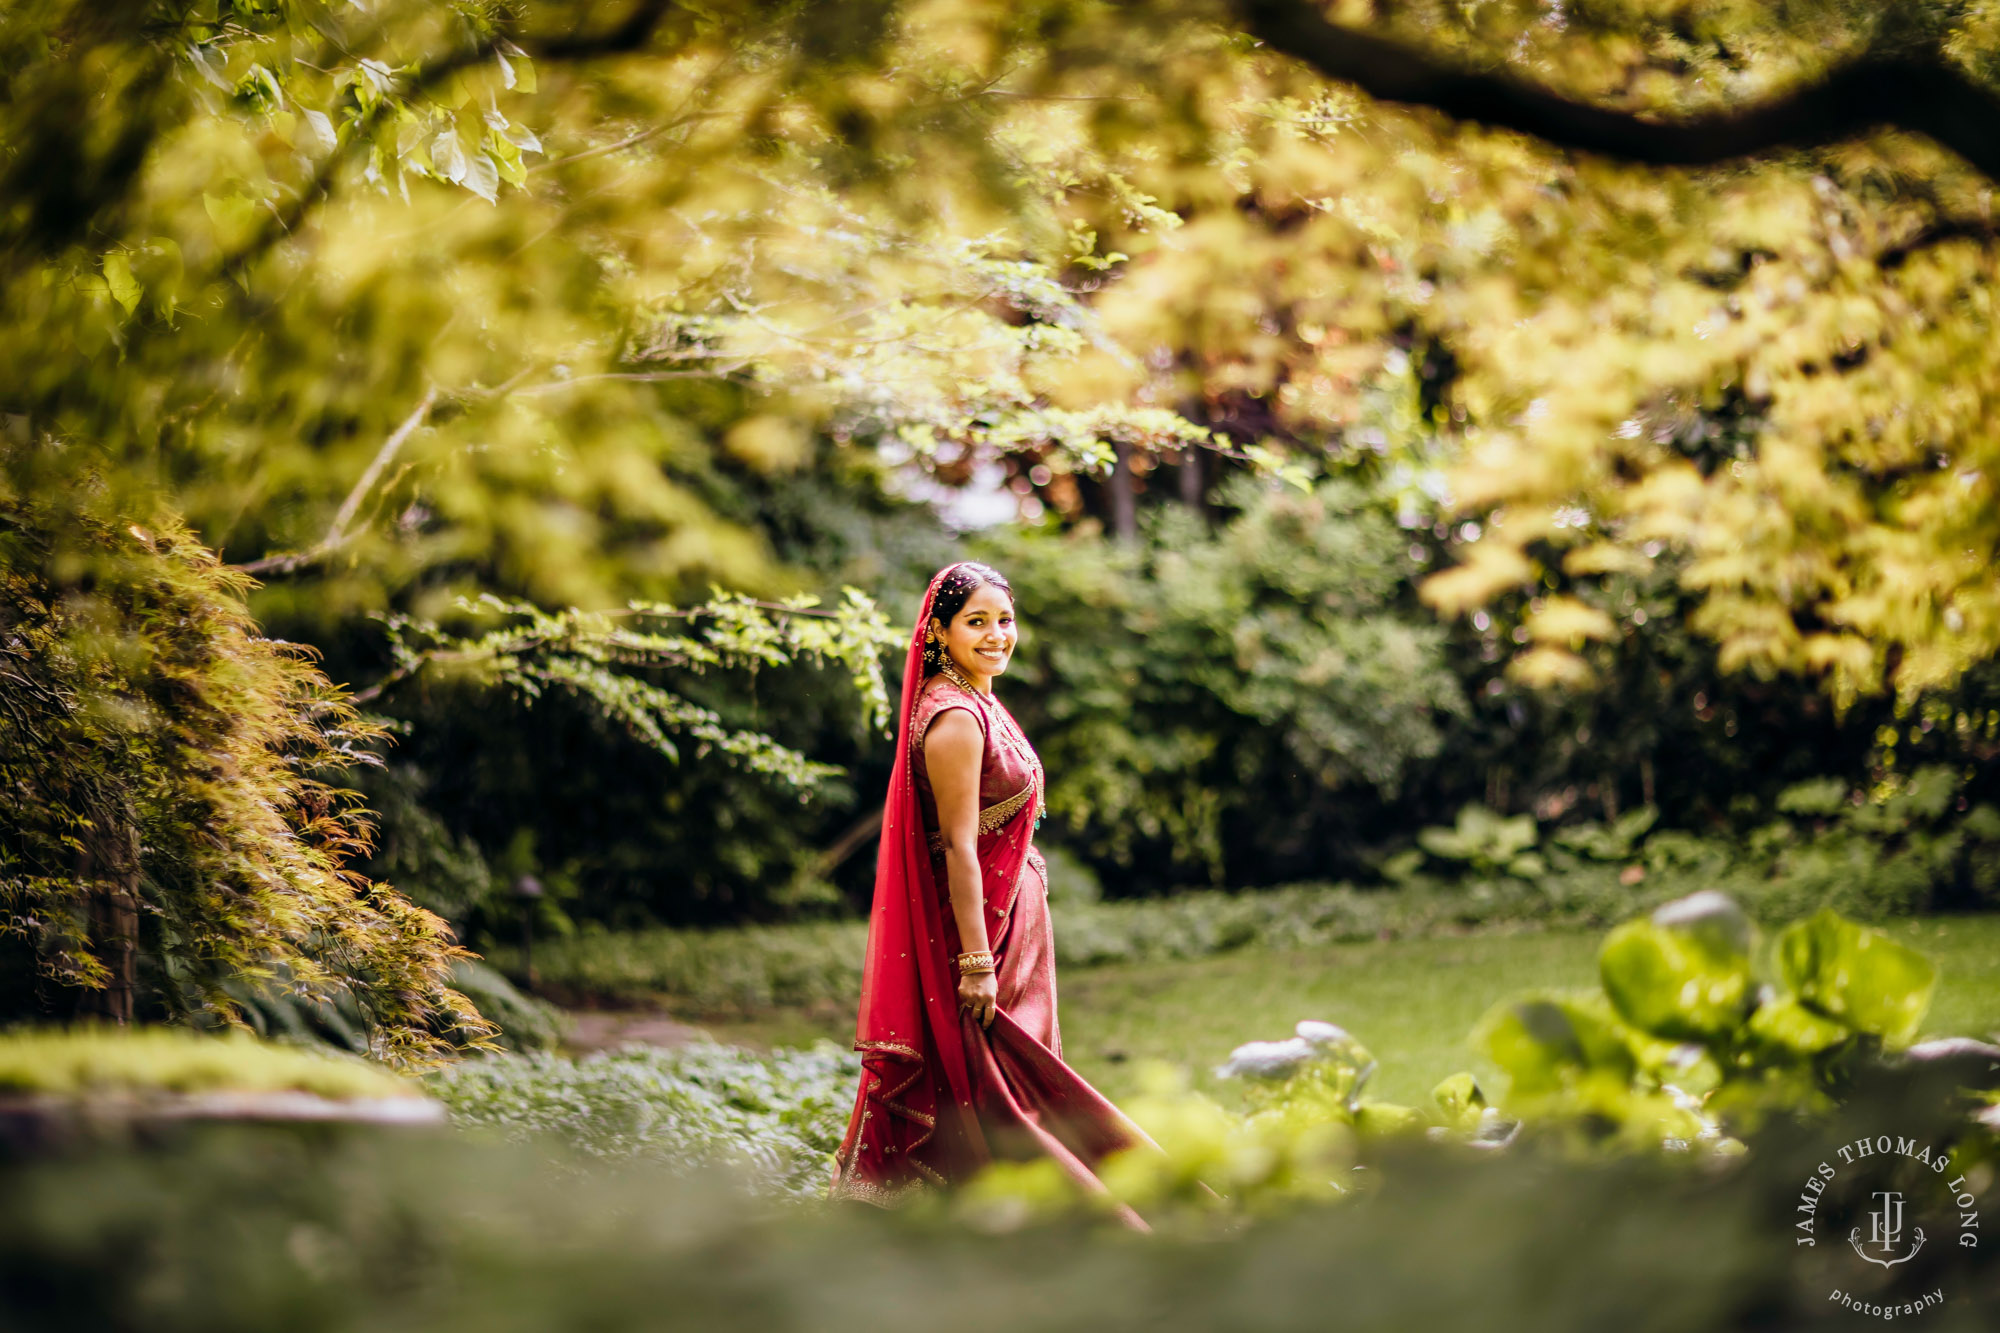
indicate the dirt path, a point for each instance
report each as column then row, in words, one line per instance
column 604, row 1029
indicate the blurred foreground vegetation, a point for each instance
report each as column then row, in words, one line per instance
column 250, row 1230
column 1590, row 1189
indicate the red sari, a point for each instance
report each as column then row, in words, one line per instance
column 940, row 1096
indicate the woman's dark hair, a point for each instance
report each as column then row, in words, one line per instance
column 952, row 595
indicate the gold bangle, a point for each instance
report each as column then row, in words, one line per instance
column 979, row 960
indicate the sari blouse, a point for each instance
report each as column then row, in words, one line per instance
column 1010, row 782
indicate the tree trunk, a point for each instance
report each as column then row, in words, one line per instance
column 1118, row 488
column 114, row 923
column 1194, row 485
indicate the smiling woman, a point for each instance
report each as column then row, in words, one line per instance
column 961, row 1052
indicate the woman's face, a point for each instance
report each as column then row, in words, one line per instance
column 981, row 636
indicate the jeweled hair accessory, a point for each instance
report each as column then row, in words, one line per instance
column 947, row 581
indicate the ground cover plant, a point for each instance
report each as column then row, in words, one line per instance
column 773, row 1120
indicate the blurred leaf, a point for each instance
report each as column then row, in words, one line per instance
column 1790, row 1025
column 124, row 288
column 1548, row 1044
column 1683, row 973
column 1857, row 975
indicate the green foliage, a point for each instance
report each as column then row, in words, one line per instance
column 594, row 655
column 329, row 1229
column 512, row 1021
column 1615, row 841
column 440, row 869
column 168, row 830
column 1685, row 1041
column 1682, row 1052
column 1910, row 844
column 1684, row 972
column 1176, row 684
column 486, row 784
column 705, row 971
column 400, row 304
column 1487, row 843
column 1856, row 976
column 775, row 1119
column 245, row 1231
column 525, row 1022
column 411, row 304
column 123, row 1062
column 1907, row 844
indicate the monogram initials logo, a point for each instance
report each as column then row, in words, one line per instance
column 1885, row 1232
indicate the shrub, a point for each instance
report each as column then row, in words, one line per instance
column 775, row 1119
column 1187, row 689
column 165, row 829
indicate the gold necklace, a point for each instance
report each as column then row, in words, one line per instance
column 949, row 670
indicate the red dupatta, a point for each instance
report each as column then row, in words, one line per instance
column 913, row 1119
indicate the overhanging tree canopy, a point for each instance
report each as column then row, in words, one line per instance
column 403, row 304
column 1793, row 385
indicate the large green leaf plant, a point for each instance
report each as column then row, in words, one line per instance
column 1697, row 1037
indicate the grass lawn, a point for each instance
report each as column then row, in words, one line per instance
column 1412, row 1002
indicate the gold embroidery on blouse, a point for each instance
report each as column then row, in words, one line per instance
column 917, row 736
column 994, row 817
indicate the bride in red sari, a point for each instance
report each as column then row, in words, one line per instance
column 961, row 1054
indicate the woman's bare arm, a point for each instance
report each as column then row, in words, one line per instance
column 953, row 751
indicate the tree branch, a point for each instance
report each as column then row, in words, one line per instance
column 847, row 844
column 623, row 39
column 1941, row 232
column 339, row 532
column 635, row 377
column 1872, row 91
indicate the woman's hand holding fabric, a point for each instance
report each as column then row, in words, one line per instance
column 979, row 992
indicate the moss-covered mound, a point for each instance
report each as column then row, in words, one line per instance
column 86, row 1061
